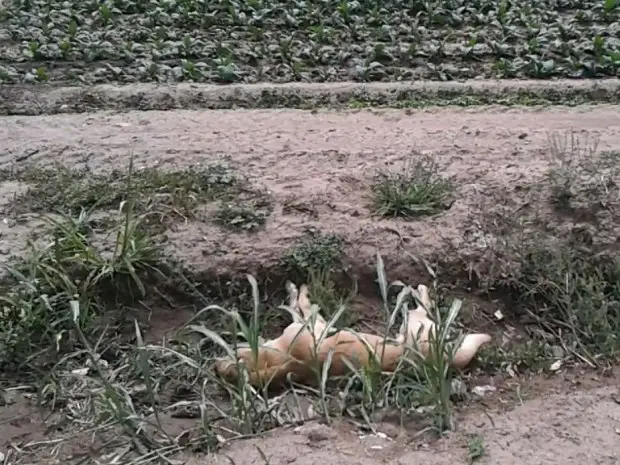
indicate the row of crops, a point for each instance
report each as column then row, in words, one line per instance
column 96, row 41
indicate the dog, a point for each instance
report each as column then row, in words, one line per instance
column 305, row 346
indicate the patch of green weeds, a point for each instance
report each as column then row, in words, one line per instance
column 64, row 307
column 247, row 216
column 475, row 448
column 580, row 176
column 63, row 189
column 318, row 253
column 575, row 295
column 566, row 290
column 531, row 356
column 414, row 190
column 59, row 320
column 72, row 267
column 557, row 257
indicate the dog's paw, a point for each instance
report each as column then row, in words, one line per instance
column 425, row 296
column 291, row 288
column 304, row 291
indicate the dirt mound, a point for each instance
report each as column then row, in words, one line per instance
column 28, row 100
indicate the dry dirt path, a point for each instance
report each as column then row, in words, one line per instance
column 317, row 165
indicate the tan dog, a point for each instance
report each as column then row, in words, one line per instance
column 304, row 346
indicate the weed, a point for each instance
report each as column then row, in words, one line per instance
column 575, row 295
column 244, row 216
column 557, row 263
column 475, row 448
column 579, row 174
column 415, row 190
column 162, row 194
column 534, row 355
column 319, row 254
column 35, row 308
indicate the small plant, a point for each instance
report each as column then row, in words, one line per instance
column 475, row 448
column 36, row 320
column 41, row 74
column 415, row 190
column 319, row 254
column 571, row 159
column 532, row 356
column 247, row 216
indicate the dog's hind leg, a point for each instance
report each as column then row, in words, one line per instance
column 309, row 313
column 425, row 299
column 293, row 303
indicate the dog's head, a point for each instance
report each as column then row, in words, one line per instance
column 229, row 369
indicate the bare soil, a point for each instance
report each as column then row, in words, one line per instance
column 317, row 166
column 553, row 429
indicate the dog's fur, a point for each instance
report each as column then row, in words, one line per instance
column 304, row 348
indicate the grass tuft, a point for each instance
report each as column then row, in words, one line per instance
column 72, row 265
column 248, row 216
column 475, row 448
column 415, row 190
column 60, row 188
column 319, row 253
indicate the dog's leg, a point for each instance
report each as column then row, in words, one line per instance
column 308, row 313
column 425, row 299
column 293, row 303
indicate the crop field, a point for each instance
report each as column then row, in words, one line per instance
column 166, row 166
column 225, row 41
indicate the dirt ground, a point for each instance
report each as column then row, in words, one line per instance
column 317, row 166
column 554, row 429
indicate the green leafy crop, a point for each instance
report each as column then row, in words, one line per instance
column 225, row 41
